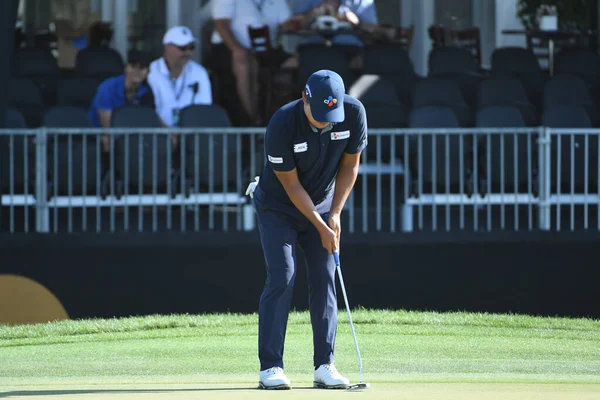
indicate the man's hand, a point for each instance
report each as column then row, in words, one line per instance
column 328, row 239
column 303, row 202
column 350, row 17
column 336, row 226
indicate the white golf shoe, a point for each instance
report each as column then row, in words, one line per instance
column 328, row 377
column 274, row 378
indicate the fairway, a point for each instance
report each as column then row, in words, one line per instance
column 407, row 355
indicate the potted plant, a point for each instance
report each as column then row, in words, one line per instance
column 574, row 14
column 547, row 17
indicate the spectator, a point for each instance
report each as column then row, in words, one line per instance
column 130, row 88
column 360, row 13
column 176, row 80
column 100, row 34
column 72, row 20
column 202, row 14
column 357, row 12
column 231, row 45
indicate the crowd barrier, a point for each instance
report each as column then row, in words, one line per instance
column 54, row 180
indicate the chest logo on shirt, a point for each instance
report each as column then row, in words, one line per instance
column 340, row 135
column 300, row 147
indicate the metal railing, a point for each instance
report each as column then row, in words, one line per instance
column 453, row 175
column 410, row 179
column 572, row 166
column 144, row 182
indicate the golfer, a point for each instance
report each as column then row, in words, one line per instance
column 313, row 148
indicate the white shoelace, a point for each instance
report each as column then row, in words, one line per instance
column 331, row 368
column 275, row 370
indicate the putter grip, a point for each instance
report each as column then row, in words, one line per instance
column 336, row 258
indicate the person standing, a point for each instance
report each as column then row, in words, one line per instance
column 313, row 148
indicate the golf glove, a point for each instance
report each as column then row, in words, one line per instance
column 251, row 187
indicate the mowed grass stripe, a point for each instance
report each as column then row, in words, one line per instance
column 396, row 346
column 361, row 317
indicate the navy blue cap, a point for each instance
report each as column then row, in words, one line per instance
column 325, row 92
column 138, row 58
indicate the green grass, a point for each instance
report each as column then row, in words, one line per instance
column 397, row 346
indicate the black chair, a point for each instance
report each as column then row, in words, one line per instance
column 374, row 89
column 66, row 117
column 392, row 63
column 386, row 115
column 433, row 116
column 496, row 116
column 572, row 148
column 444, row 61
column 439, row 165
column 200, row 146
column 515, row 61
column 459, row 65
column 442, row 92
column 383, row 109
column 566, row 116
column 499, row 152
column 521, row 63
column 41, row 67
column 202, row 116
column 387, row 59
column 99, row 63
column 141, row 161
column 569, row 90
column 14, row 119
column 73, row 163
column 313, row 58
column 582, row 63
column 23, row 154
column 506, row 91
column 26, row 97
column 76, row 92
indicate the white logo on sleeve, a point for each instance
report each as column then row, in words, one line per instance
column 276, row 160
column 300, row 147
column 340, row 135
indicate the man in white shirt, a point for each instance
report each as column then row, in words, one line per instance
column 231, row 41
column 177, row 81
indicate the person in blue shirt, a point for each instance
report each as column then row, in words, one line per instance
column 313, row 148
column 130, row 88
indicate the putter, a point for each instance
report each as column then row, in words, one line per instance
column 361, row 384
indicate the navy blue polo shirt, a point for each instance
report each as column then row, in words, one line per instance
column 291, row 142
column 111, row 95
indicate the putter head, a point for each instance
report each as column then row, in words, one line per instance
column 359, row 386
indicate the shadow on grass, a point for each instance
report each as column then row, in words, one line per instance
column 25, row 393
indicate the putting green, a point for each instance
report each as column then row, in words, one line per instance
column 400, row 391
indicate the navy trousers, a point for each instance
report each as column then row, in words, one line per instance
column 280, row 236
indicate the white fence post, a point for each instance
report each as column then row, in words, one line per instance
column 42, row 216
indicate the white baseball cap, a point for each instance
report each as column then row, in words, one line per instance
column 179, row 36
